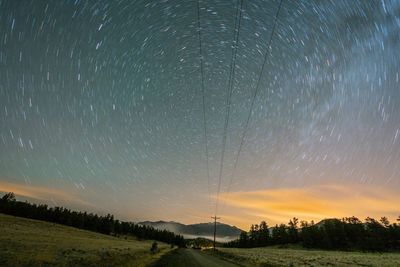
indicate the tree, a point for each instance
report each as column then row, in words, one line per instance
column 279, row 234
column 83, row 220
column 354, row 231
column 8, row 197
column 348, row 233
column 310, row 234
column 375, row 235
column 333, row 234
column 253, row 235
column 264, row 237
column 243, row 239
column 292, row 230
column 303, row 224
column 385, row 221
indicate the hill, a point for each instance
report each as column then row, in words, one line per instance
column 26, row 242
column 225, row 232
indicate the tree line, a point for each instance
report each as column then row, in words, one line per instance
column 87, row 221
column 332, row 234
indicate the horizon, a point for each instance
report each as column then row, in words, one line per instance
column 132, row 109
column 244, row 227
column 391, row 221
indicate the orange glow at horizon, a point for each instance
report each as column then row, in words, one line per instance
column 312, row 203
column 247, row 207
column 42, row 193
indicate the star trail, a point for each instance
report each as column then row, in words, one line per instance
column 101, row 105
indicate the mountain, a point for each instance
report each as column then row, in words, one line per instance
column 325, row 221
column 225, row 232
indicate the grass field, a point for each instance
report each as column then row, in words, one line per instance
column 273, row 256
column 25, row 242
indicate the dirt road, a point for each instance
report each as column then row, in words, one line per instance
column 192, row 258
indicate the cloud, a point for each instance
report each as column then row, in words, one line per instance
column 42, row 193
column 312, row 203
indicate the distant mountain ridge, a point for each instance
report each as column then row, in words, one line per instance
column 225, row 232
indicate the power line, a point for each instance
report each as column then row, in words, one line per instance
column 203, row 95
column 255, row 95
column 238, row 20
column 215, row 218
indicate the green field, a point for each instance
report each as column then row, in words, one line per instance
column 273, row 256
column 25, row 242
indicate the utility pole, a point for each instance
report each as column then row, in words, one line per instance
column 215, row 228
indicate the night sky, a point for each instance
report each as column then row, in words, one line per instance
column 101, row 108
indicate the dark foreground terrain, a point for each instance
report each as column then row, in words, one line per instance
column 193, row 258
column 26, row 242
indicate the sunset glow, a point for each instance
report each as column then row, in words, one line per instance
column 313, row 203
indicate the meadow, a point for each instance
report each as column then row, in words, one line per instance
column 26, row 242
column 275, row 256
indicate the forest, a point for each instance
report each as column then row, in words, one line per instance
column 349, row 234
column 87, row 221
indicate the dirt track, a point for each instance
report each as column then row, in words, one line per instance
column 192, row 258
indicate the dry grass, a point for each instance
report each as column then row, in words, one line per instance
column 272, row 256
column 25, row 242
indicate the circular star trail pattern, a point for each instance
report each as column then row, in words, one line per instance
column 103, row 98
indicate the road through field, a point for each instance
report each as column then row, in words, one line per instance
column 192, row 258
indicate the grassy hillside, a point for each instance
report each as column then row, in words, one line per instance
column 272, row 256
column 25, row 242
